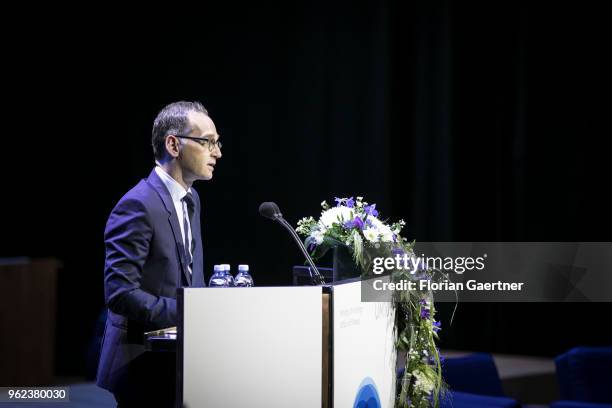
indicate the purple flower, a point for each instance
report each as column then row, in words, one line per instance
column 436, row 326
column 354, row 223
column 423, row 302
column 338, row 201
column 311, row 246
column 394, row 251
column 350, row 203
column 425, row 313
column 371, row 210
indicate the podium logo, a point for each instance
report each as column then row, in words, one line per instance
column 367, row 396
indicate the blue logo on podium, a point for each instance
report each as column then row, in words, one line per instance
column 367, row 396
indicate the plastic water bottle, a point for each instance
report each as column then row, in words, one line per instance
column 243, row 278
column 227, row 275
column 218, row 280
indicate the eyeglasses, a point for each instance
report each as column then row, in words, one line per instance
column 204, row 140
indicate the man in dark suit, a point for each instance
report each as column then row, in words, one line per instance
column 153, row 246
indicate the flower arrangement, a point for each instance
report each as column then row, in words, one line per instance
column 356, row 224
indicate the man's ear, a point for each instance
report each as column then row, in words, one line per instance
column 173, row 145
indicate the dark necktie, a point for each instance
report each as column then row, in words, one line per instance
column 188, row 199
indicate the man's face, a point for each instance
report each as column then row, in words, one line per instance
column 197, row 160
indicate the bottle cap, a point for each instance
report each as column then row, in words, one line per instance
column 226, row 267
column 218, row 268
column 243, row 268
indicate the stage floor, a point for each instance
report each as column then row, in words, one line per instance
column 530, row 380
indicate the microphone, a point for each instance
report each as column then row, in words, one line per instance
column 270, row 210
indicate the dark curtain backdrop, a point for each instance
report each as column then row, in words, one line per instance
column 472, row 122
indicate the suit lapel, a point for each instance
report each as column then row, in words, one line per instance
column 164, row 194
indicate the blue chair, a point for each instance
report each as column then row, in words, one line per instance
column 585, row 374
column 474, row 374
column 578, row 404
column 458, row 399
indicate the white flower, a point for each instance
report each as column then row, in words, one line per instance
column 304, row 225
column 423, row 382
column 387, row 236
column 330, row 217
column 371, row 234
column 318, row 236
column 383, row 231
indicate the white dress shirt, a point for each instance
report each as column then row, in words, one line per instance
column 177, row 192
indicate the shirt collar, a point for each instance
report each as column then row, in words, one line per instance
column 177, row 192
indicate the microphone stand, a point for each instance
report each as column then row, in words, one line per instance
column 318, row 278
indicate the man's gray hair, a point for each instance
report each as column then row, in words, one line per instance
column 172, row 120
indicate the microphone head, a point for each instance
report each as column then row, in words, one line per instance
column 270, row 210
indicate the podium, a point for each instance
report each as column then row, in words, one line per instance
column 309, row 346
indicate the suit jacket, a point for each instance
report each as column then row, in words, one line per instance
column 145, row 264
